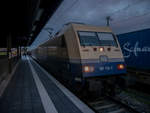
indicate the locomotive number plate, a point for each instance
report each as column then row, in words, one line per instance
column 105, row 68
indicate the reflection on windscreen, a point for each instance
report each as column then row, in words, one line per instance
column 96, row 39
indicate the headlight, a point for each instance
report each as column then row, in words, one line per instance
column 120, row 66
column 88, row 69
column 101, row 49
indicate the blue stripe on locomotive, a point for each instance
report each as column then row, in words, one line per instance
column 136, row 48
column 75, row 69
column 100, row 69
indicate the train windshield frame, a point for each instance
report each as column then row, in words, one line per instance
column 89, row 38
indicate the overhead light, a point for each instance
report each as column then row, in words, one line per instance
column 31, row 34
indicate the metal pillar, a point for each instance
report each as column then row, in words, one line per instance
column 9, row 53
column 108, row 19
column 20, row 51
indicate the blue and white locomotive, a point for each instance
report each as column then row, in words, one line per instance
column 81, row 54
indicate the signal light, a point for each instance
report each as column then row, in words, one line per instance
column 95, row 49
column 108, row 49
column 88, row 69
column 101, row 49
column 120, row 66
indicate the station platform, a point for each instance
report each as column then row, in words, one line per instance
column 31, row 89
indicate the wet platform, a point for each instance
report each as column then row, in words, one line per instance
column 33, row 90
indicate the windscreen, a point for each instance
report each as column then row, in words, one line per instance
column 96, row 39
column 107, row 39
column 88, row 39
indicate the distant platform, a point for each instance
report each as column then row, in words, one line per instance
column 33, row 90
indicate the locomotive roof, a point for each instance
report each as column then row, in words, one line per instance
column 86, row 27
column 83, row 27
column 79, row 27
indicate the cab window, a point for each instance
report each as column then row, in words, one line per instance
column 107, row 39
column 88, row 38
column 96, row 38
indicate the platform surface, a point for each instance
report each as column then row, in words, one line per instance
column 33, row 90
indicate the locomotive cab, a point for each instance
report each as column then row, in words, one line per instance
column 100, row 52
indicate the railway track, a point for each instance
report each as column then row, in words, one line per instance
column 109, row 105
column 141, row 75
column 139, row 80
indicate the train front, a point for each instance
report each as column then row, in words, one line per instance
column 100, row 53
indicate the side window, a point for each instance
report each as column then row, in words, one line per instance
column 63, row 43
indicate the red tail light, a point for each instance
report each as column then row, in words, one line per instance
column 95, row 49
column 120, row 66
column 109, row 49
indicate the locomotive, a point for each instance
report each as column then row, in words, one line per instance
column 83, row 56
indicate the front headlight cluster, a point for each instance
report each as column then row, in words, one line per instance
column 88, row 69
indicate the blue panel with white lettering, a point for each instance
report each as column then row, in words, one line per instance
column 136, row 48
